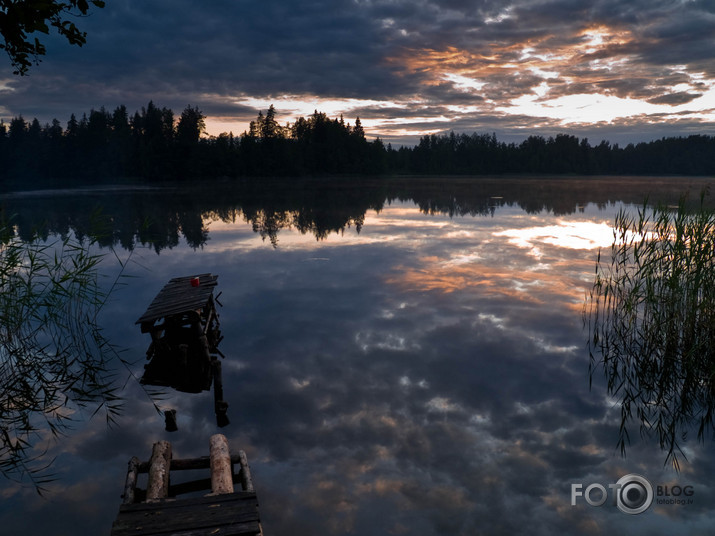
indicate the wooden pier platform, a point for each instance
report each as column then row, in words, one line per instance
column 179, row 296
column 185, row 333
column 234, row 514
column 223, row 512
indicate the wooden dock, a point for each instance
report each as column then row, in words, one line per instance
column 157, row 512
column 179, row 296
column 234, row 514
column 185, row 334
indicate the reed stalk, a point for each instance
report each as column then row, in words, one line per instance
column 651, row 324
column 55, row 362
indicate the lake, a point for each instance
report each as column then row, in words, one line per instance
column 403, row 356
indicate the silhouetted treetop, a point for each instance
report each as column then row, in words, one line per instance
column 155, row 145
column 190, row 127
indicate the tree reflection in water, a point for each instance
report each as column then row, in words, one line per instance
column 159, row 217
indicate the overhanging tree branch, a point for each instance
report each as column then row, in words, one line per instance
column 19, row 19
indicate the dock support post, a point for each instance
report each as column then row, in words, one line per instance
column 220, row 405
column 130, row 484
column 221, row 473
column 159, row 465
column 245, row 472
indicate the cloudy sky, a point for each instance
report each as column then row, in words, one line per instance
column 608, row 69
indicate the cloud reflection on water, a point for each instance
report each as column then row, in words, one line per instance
column 441, row 391
column 426, row 375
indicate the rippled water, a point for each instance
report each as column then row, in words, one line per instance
column 400, row 359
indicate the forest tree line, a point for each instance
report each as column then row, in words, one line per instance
column 154, row 144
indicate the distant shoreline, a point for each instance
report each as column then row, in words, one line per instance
column 16, row 188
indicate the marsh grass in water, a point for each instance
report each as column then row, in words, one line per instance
column 55, row 362
column 651, row 324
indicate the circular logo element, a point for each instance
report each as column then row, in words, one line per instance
column 634, row 494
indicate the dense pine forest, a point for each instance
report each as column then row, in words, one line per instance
column 153, row 144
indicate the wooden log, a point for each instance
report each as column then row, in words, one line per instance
column 221, row 473
column 244, row 474
column 158, row 485
column 130, row 483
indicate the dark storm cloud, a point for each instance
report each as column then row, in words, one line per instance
column 682, row 97
column 174, row 53
column 218, row 57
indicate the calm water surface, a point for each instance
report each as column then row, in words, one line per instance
column 400, row 359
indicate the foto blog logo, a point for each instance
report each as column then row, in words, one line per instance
column 632, row 494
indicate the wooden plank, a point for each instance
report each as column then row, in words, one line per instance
column 251, row 528
column 188, row 293
column 148, row 527
column 236, row 511
column 176, row 287
column 206, row 282
column 178, row 294
column 160, row 521
column 170, row 292
column 248, row 529
column 183, row 302
column 189, row 277
column 177, row 308
column 203, row 462
column 182, row 514
column 202, row 484
column 236, row 496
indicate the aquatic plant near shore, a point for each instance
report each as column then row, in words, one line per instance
column 651, row 323
column 54, row 358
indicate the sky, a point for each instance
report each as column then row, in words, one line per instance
column 632, row 70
